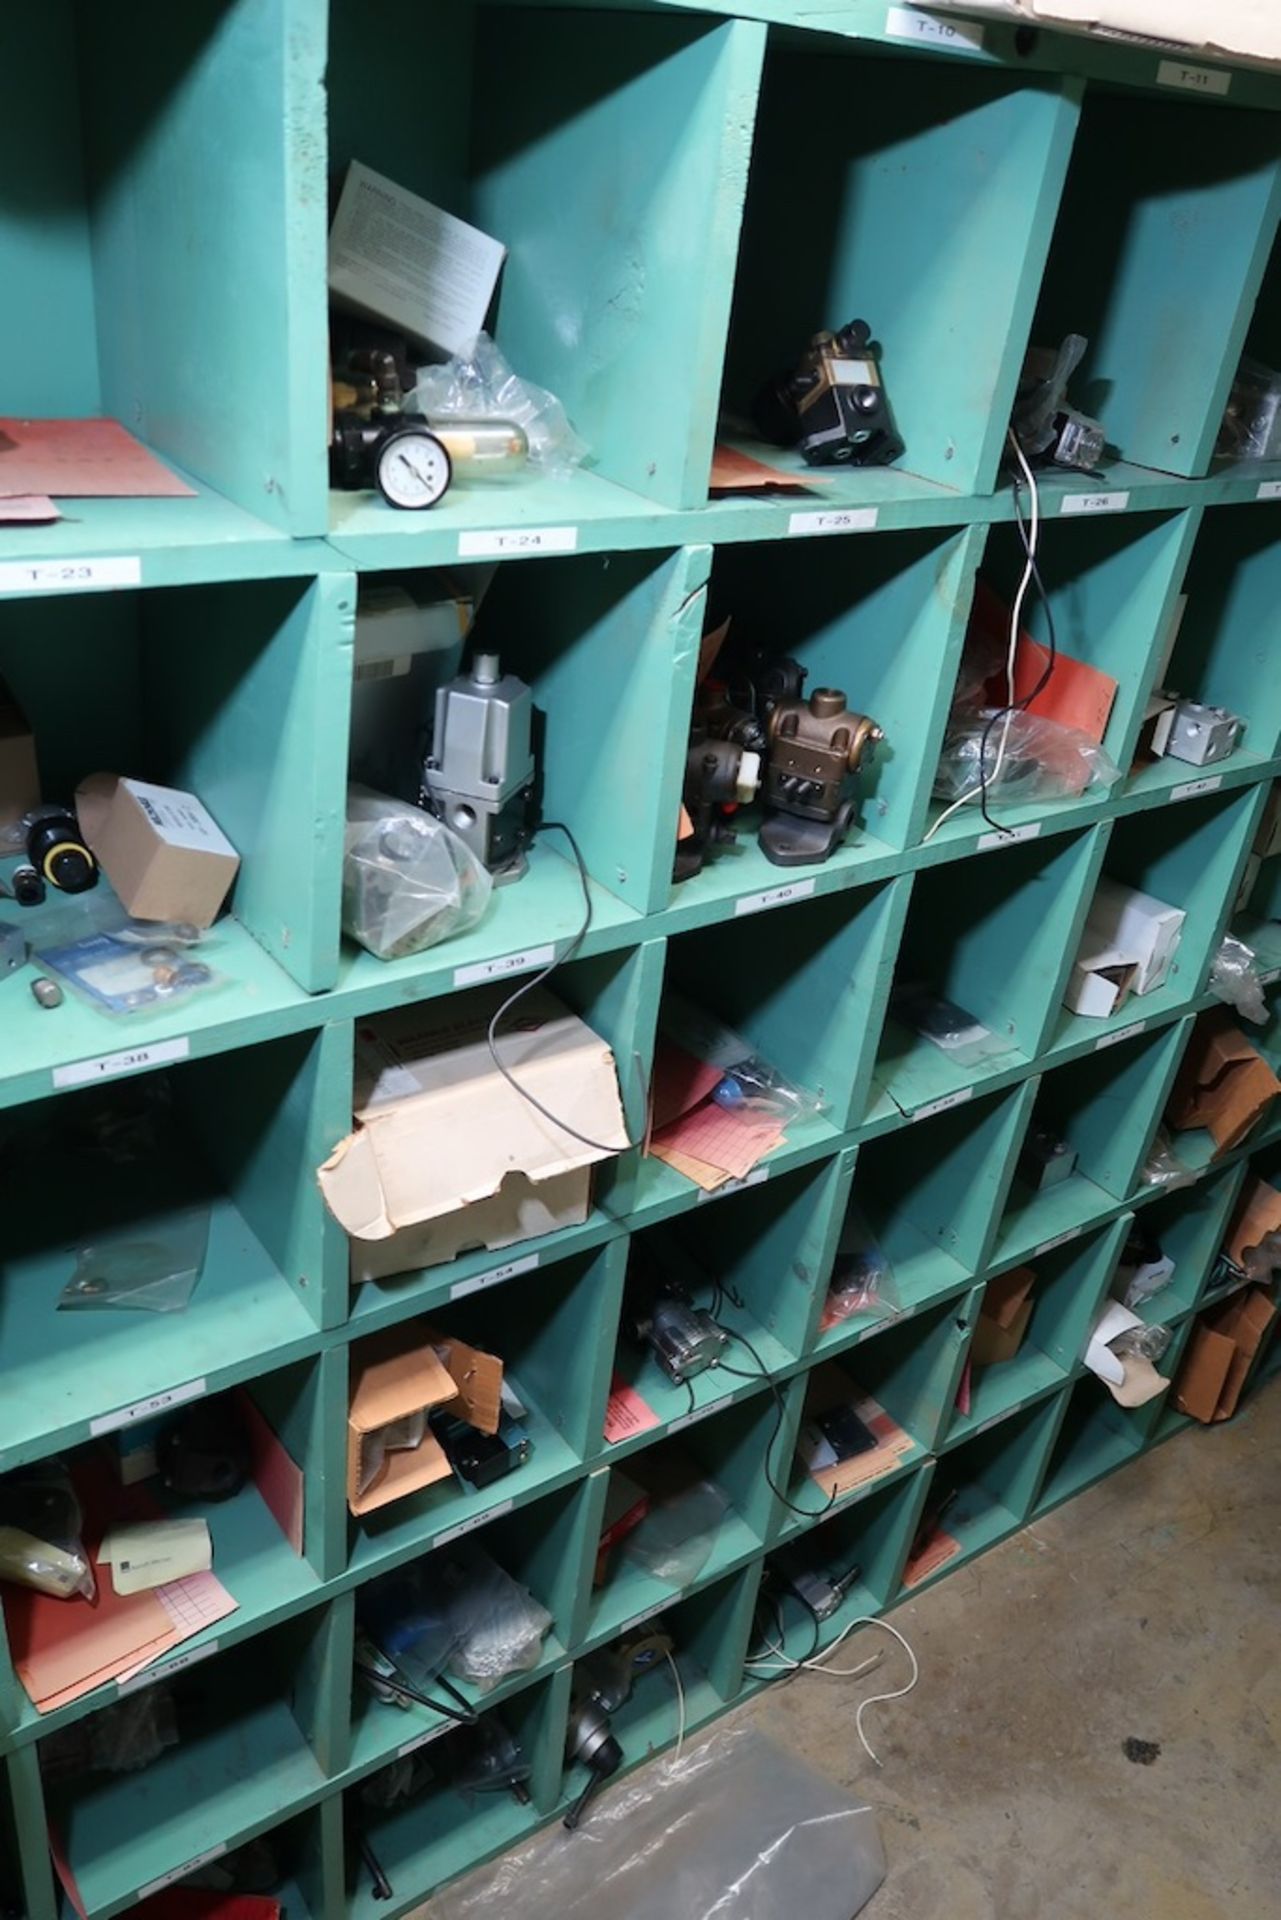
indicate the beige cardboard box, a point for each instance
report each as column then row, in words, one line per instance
column 405, row 1371
column 1224, row 1084
column 19, row 776
column 446, row 1154
column 162, row 850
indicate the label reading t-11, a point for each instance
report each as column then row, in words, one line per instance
column 948, row 1100
column 515, row 540
column 774, row 897
column 1190, row 788
column 1095, row 503
column 470, row 1526
column 1173, row 73
column 146, row 1409
column 68, row 576
column 1008, row 836
column 833, row 520
column 82, row 1072
column 494, row 1277
column 180, row 1873
column 510, row 963
column 910, row 23
column 1123, row 1033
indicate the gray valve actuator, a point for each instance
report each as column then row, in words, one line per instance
column 478, row 775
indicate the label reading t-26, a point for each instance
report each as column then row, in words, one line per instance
column 833, row 520
column 1095, row 503
column 82, row 1072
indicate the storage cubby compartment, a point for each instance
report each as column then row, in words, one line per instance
column 1161, row 241
column 444, row 1804
column 1032, row 1328
column 543, row 1548
column 550, row 1332
column 229, row 692
column 886, row 633
column 980, row 1492
column 1224, row 653
column 250, row 1727
column 196, row 1168
column 619, row 305
column 1096, row 1437
column 1091, row 1128
column 897, row 1385
column 607, row 647
column 1188, row 1226
column 989, row 941
column 683, row 1511
column 104, row 177
column 1188, row 857
column 923, row 198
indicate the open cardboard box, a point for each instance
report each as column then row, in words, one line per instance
column 403, row 1371
column 1004, row 1317
column 1220, row 1353
column 1224, row 1084
column 162, row 850
column 446, row 1154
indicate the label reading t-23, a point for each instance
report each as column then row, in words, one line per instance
column 516, row 540
column 1095, row 503
column 948, row 1100
column 494, row 1277
column 180, row 1873
column 1122, row 1033
column 145, row 1409
column 470, row 1526
column 68, row 576
column 833, row 520
column 82, row 1072
column 482, row 970
column 1190, row 788
column 774, row 897
column 1173, row 73
column 913, row 23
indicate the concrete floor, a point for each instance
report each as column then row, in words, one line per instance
column 1149, row 1607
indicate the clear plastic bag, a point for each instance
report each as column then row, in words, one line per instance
column 1251, row 428
column 481, row 385
column 737, row 1828
column 862, row 1277
column 409, row 1618
column 158, row 1273
column 955, row 1032
column 674, row 1541
column 408, row 882
column 1163, row 1168
column 118, row 963
column 750, row 1082
column 40, row 1526
column 1041, row 759
column 500, row 1625
column 1234, row 978
column 1144, row 1343
column 1042, row 395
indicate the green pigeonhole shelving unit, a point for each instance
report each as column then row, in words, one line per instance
column 686, row 193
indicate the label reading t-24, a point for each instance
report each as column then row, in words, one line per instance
column 774, row 897
column 82, row 1072
column 482, row 970
column 511, row 541
column 913, row 23
column 833, row 520
column 68, row 576
column 1095, row 503
column 145, row 1409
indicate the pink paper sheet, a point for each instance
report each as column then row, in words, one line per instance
column 81, row 460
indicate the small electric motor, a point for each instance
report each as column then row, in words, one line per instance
column 831, row 406
column 481, row 768
column 814, row 745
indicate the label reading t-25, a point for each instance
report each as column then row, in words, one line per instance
column 833, row 520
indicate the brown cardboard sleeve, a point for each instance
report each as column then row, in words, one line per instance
column 398, row 1372
column 1003, row 1297
column 993, row 1344
column 1224, row 1084
column 1203, row 1373
column 1220, row 1354
column 1258, row 1214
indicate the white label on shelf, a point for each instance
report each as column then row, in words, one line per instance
column 993, row 1420
column 421, row 1740
column 1057, row 1240
column 699, row 1413
column 1273, row 973
column 1269, row 490
column 1095, row 503
column 166, row 1669
column 774, row 897
column 1122, row 1033
column 180, row 1873
column 907, row 23
column 489, row 546
column 753, row 1179
column 1211, row 783
column 68, row 576
column 956, row 1099
column 81, row 1072
column 833, row 520
column 479, row 1281
column 470, row 1526
column 1173, row 73
column 524, row 962
column 1008, row 836
column 639, row 1619
column 144, row 1409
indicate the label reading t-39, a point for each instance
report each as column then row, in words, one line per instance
column 108, row 1065
column 68, row 576
column 1095, row 503
column 517, row 540
column 913, row 23
column 1173, row 73
column 774, row 897
column 482, row 970
column 833, row 520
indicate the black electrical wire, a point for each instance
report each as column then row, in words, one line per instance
column 1019, row 706
column 466, row 1716
column 780, row 1414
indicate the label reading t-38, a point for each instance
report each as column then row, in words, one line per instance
column 108, row 1065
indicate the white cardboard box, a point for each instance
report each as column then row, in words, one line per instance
column 1139, row 927
column 1100, row 982
column 446, row 1155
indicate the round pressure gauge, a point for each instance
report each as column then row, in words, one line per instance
column 412, row 468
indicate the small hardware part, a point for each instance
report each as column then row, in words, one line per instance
column 591, row 1744
column 205, row 1454
column 47, row 992
column 481, row 769
column 58, row 853
column 814, row 745
column 1045, row 426
column 1203, row 735
column 482, row 1458
column 684, row 1339
column 490, row 1759
column 26, row 887
column 831, row 405
column 719, row 777
column 382, row 1888
column 1046, row 1159
column 815, row 1588
column 376, row 444
column 602, row 1684
column 13, row 948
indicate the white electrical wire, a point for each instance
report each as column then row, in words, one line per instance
column 680, row 1706
column 1016, row 613
column 818, row 1665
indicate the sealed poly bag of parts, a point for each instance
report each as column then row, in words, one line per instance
column 40, row 1525
column 479, row 384
column 408, row 882
column 674, row 1541
column 1235, row 979
column 500, row 1625
column 157, row 1272
column 1025, row 758
column 737, row 1829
